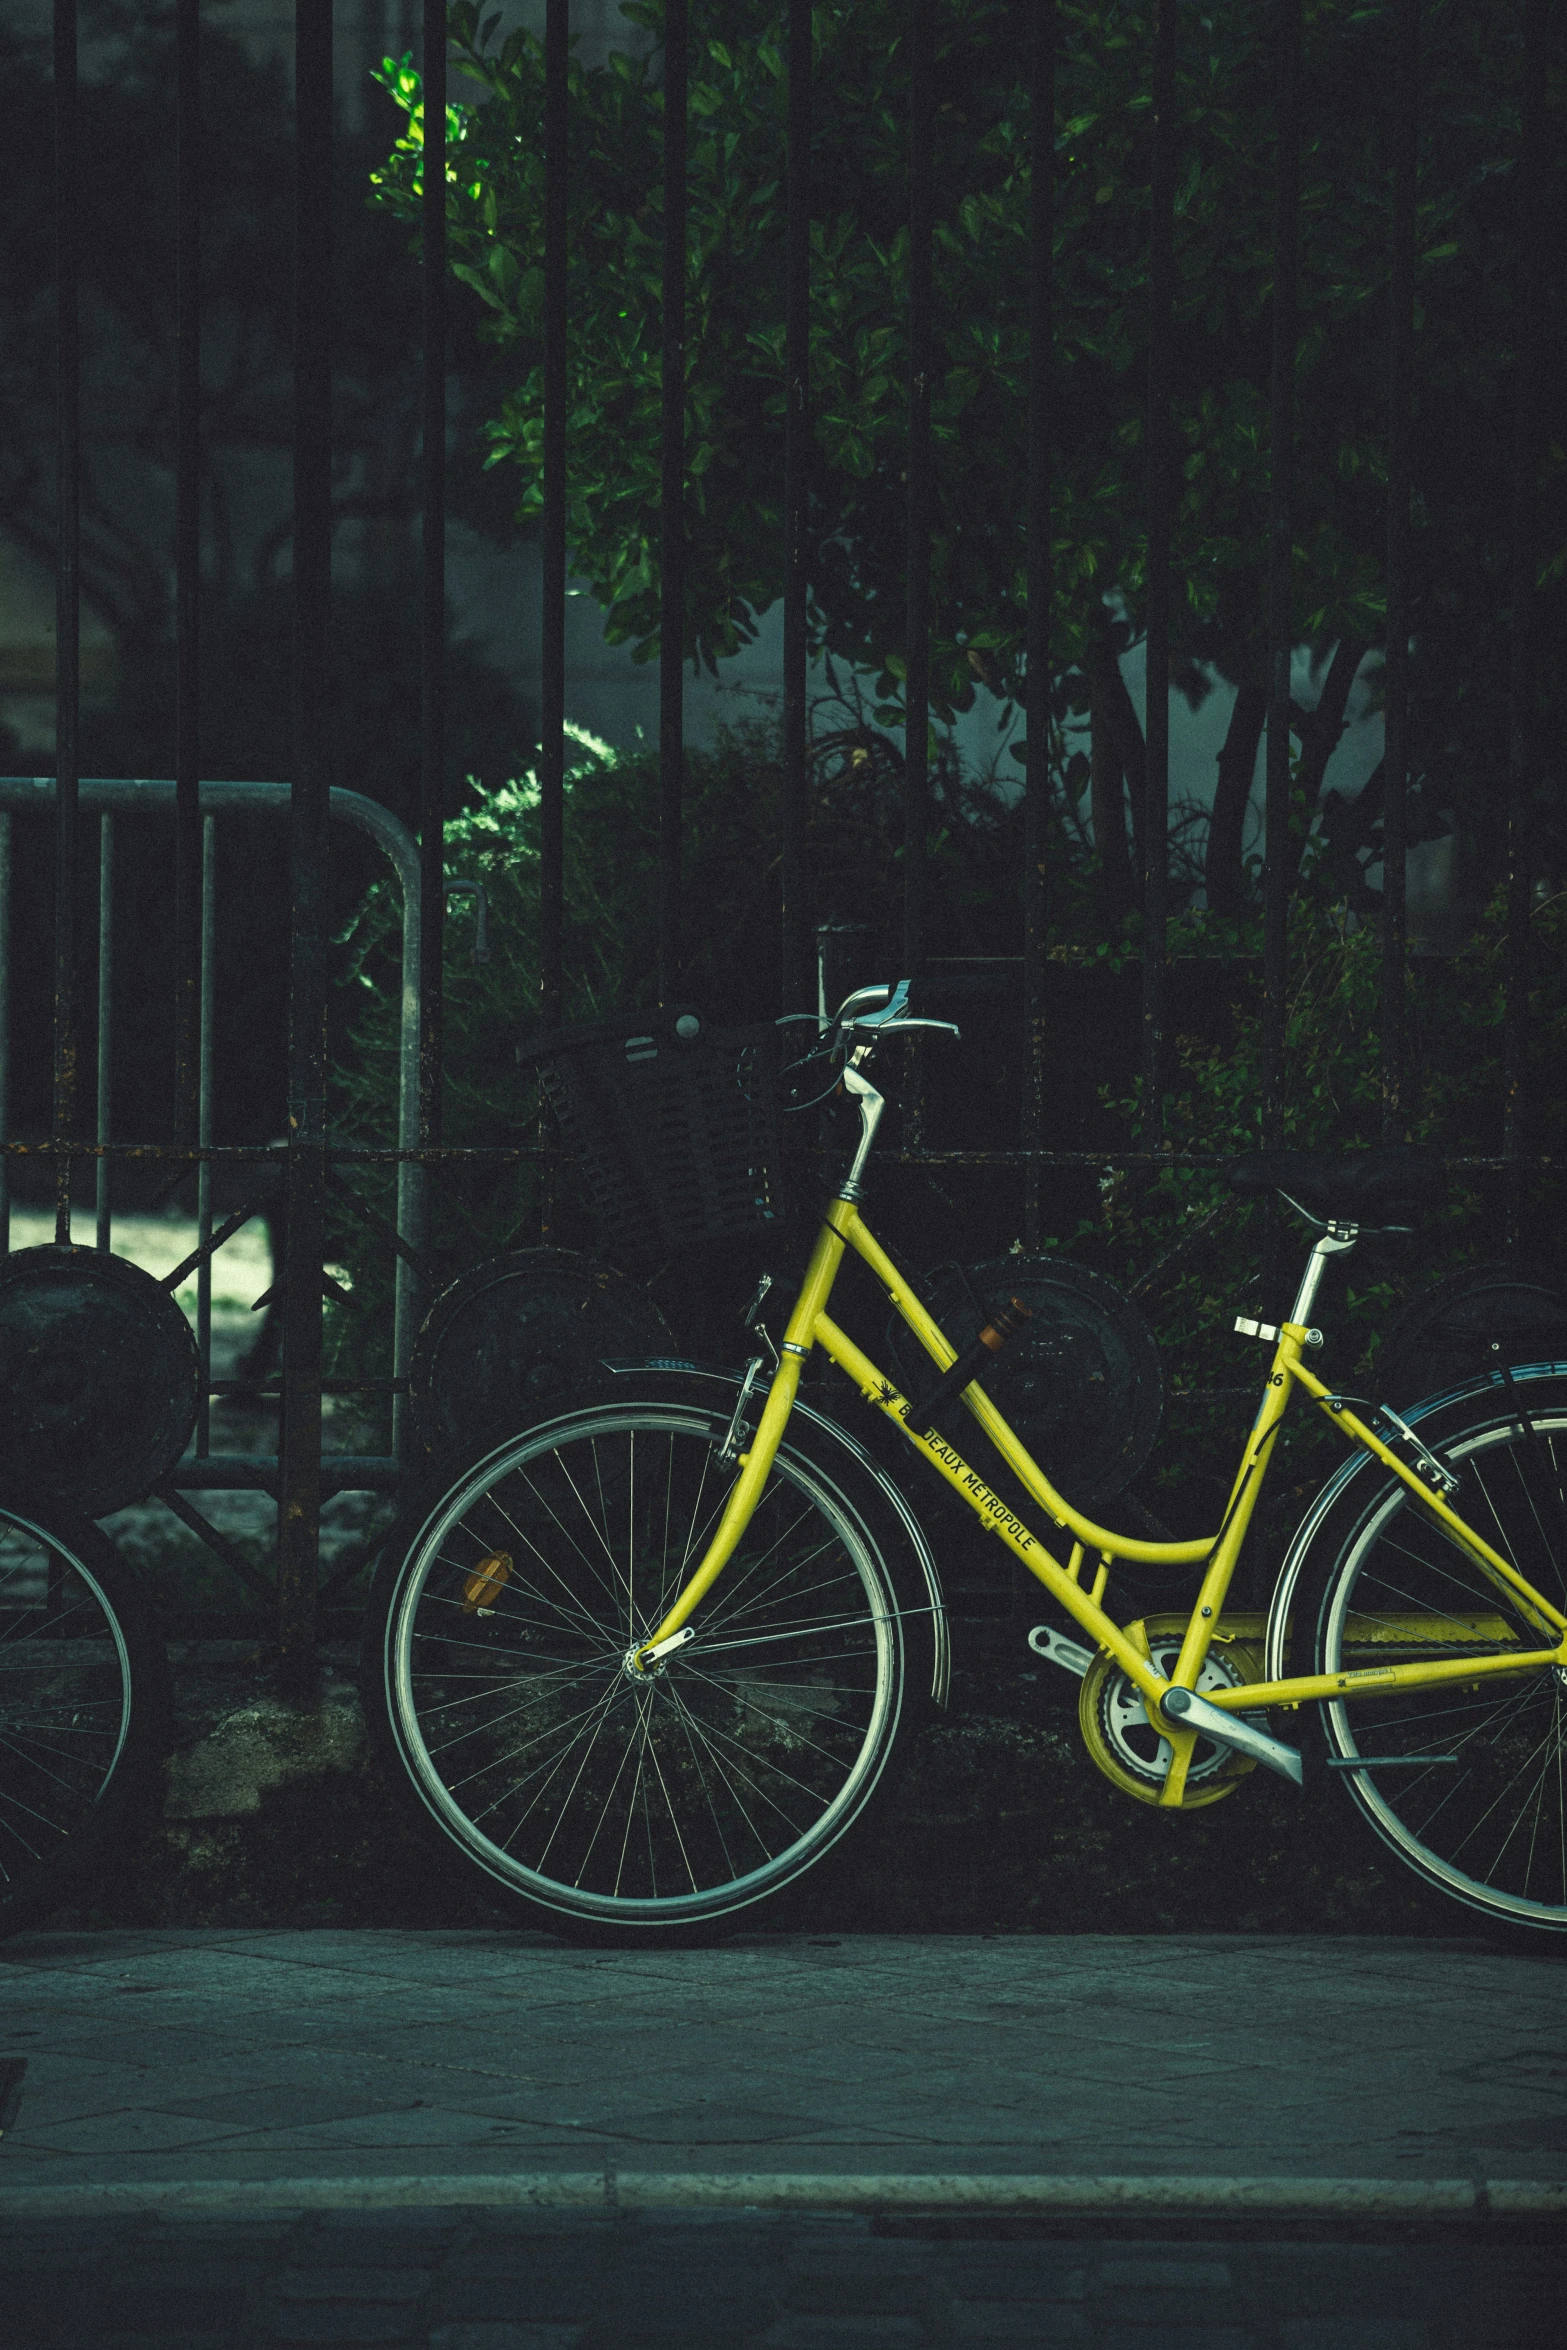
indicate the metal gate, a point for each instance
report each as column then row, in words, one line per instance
column 307, row 1157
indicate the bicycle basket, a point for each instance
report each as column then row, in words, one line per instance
column 674, row 1124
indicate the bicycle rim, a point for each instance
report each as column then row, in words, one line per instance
column 65, row 1701
column 1489, row 1827
column 648, row 1800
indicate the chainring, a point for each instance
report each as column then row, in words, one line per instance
column 1124, row 1743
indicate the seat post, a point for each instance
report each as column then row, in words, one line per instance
column 1335, row 1239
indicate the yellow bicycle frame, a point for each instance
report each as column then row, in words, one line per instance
column 810, row 1325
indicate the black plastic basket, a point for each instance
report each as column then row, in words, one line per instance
column 674, row 1124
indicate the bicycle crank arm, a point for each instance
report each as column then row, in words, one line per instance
column 1187, row 1711
column 1046, row 1641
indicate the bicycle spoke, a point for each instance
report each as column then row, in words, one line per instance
column 596, row 1793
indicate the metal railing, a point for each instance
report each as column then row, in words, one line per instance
column 112, row 798
column 300, row 1470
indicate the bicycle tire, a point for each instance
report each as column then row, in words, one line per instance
column 635, row 1809
column 1380, row 1583
column 84, row 1704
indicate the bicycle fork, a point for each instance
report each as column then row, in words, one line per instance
column 755, row 1464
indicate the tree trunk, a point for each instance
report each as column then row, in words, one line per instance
column 1320, row 729
column 1107, row 773
column 1223, row 872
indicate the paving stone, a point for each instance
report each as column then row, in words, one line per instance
column 842, row 2289
column 1156, row 2335
column 510, row 2300
column 1032, row 2279
column 843, row 2333
column 130, row 2270
column 523, row 2264
column 334, row 2283
column 883, row 2256
column 223, row 2339
column 489, row 2334
column 342, row 2321
column 1043, row 2322
column 1164, row 2276
column 160, row 2305
column 1354, row 2333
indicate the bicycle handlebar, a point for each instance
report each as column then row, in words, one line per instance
column 893, row 1018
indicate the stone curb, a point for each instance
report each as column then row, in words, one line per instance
column 933, row 2192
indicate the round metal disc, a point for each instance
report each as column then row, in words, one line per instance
column 99, row 1377
column 1474, row 1321
column 1081, row 1384
column 514, row 1335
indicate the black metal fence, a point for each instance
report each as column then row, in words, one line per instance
column 308, row 1158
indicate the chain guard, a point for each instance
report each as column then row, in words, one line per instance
column 1135, row 1756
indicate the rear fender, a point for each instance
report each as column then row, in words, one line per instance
column 1490, row 1388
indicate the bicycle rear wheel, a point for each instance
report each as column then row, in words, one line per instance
column 1488, row 1827
column 84, row 1705
column 634, row 1804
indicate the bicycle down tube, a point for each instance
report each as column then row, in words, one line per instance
column 810, row 1325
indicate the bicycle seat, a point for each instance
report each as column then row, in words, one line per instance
column 1367, row 1187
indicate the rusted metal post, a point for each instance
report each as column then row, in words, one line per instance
column 552, row 688
column 187, row 562
column 1528, row 248
column 1281, row 447
column 299, row 1471
column 672, row 520
column 795, row 980
column 1160, row 499
column 1400, row 368
column 1036, row 774
column 67, row 604
column 432, row 564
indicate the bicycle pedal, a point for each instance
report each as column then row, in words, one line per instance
column 1056, row 1649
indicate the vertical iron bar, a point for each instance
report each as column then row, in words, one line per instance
column 1036, row 774
column 1156, row 722
column 5, row 1033
column 1281, row 447
column 1528, row 248
column 672, row 478
column 552, row 690
column 794, row 975
column 916, row 703
column 916, row 686
column 105, row 1069
column 299, row 1510
column 432, row 647
column 1400, row 367
column 187, row 559
column 67, row 607
column 206, row 1047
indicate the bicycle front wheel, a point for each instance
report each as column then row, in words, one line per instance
column 84, row 1705
column 1484, row 1819
column 626, row 1803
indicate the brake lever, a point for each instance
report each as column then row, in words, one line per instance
column 896, row 1027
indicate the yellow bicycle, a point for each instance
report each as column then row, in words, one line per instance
column 647, row 1661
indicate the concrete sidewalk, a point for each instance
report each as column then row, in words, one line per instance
column 226, row 2070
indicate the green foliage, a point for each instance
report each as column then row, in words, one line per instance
column 1333, row 1100
column 1224, row 230
column 730, row 873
